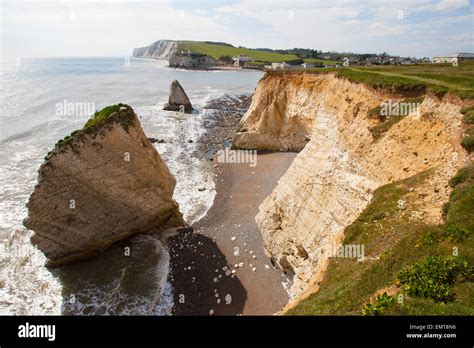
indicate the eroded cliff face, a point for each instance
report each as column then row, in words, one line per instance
column 332, row 179
column 190, row 62
column 102, row 185
column 281, row 115
column 161, row 49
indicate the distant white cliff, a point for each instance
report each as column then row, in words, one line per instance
column 161, row 49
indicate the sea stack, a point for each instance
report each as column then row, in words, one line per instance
column 104, row 183
column 178, row 100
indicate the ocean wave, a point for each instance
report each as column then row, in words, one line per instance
column 117, row 284
column 26, row 286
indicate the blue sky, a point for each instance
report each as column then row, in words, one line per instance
column 113, row 28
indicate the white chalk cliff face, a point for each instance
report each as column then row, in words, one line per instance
column 104, row 184
column 332, row 179
column 161, row 49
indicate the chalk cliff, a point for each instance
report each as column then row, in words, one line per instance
column 104, row 183
column 161, row 49
column 342, row 161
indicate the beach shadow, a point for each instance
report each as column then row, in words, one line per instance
column 202, row 280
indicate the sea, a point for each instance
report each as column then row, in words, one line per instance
column 43, row 100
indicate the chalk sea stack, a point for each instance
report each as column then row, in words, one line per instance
column 103, row 183
column 178, row 100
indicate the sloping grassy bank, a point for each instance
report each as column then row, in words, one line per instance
column 410, row 267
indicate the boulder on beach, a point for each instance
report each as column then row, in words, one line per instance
column 178, row 100
column 102, row 184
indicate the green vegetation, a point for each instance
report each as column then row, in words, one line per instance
column 460, row 211
column 414, row 79
column 375, row 112
column 434, row 276
column 321, row 61
column 96, row 119
column 469, row 117
column 216, row 51
column 260, row 57
column 460, row 77
column 101, row 115
column 381, row 304
column 400, row 249
column 378, row 130
column 466, row 109
column 377, row 80
column 468, row 141
column 388, row 121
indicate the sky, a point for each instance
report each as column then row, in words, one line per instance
column 78, row 28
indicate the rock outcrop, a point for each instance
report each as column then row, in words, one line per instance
column 104, row 183
column 178, row 99
column 332, row 179
column 193, row 61
column 161, row 49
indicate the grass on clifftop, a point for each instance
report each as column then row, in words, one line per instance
column 418, row 78
column 97, row 118
column 468, row 140
column 102, row 115
column 430, row 266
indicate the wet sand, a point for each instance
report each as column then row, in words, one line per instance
column 203, row 257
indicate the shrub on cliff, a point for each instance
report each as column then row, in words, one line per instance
column 381, row 305
column 434, row 276
column 469, row 117
column 468, row 112
column 460, row 208
column 468, row 141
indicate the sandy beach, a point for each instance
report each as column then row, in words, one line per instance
column 204, row 256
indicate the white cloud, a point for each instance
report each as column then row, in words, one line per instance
column 450, row 5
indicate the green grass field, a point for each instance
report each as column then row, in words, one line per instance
column 322, row 61
column 461, row 77
column 216, row 51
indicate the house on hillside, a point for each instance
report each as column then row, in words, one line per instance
column 278, row 66
column 241, row 59
column 283, row 66
column 454, row 58
column 308, row 65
